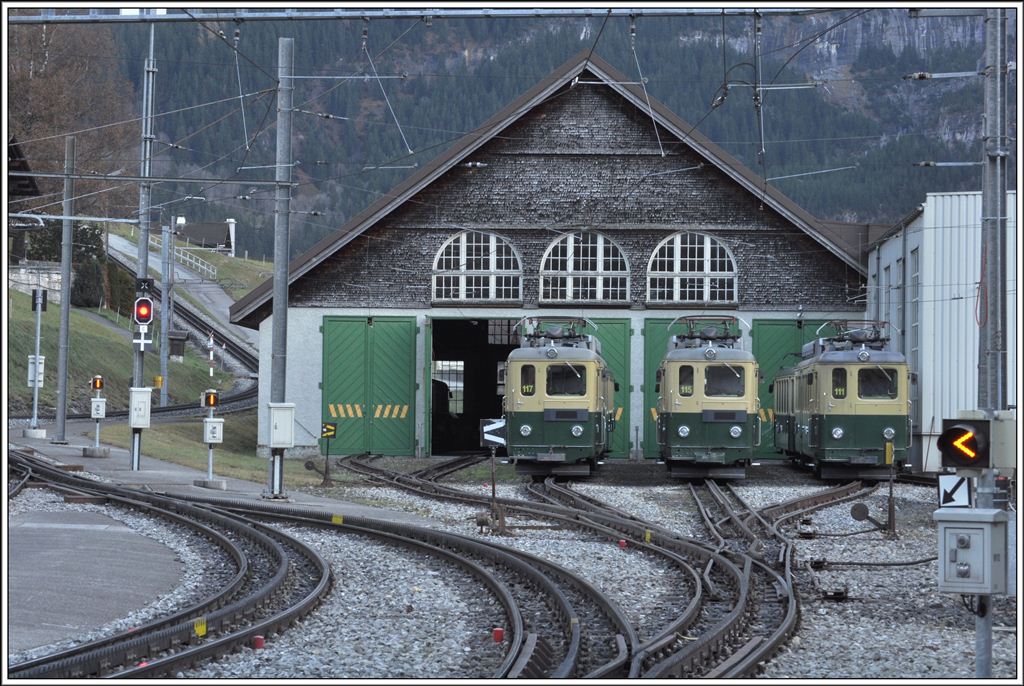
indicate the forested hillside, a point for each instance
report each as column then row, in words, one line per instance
column 356, row 135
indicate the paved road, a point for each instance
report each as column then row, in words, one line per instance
column 208, row 293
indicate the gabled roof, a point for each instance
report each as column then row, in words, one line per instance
column 247, row 311
column 19, row 186
column 206, row 234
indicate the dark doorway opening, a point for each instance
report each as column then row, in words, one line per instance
column 467, row 379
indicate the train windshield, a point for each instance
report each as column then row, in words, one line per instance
column 566, row 379
column 839, row 383
column 686, row 380
column 528, row 379
column 723, row 380
column 877, row 382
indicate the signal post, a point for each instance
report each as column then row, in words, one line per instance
column 99, row 411
column 975, row 537
column 213, row 432
column 141, row 396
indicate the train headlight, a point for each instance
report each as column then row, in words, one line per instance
column 683, row 431
column 888, row 433
column 735, row 431
column 525, row 430
column 551, row 353
column 863, row 356
column 576, row 430
column 837, row 433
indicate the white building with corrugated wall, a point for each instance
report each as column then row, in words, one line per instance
column 923, row 278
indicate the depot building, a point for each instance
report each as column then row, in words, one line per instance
column 582, row 198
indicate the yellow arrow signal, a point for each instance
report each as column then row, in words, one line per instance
column 959, row 443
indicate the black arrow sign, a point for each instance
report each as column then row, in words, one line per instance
column 948, row 496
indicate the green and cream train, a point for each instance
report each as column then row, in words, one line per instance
column 558, row 400
column 844, row 409
column 708, row 410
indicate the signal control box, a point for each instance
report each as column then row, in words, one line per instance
column 99, row 408
column 138, row 409
column 972, row 550
column 213, row 430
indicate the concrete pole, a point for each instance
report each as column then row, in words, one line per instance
column 37, row 298
column 165, row 315
column 142, row 270
column 992, row 332
column 283, row 175
column 65, row 290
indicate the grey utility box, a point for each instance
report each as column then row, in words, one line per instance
column 282, row 425
column 972, row 550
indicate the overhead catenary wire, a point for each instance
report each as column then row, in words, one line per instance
column 241, row 104
column 386, row 98
column 643, row 84
column 137, row 119
column 233, row 48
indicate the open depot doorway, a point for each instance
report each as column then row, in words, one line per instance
column 467, row 362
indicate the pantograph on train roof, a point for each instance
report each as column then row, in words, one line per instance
column 551, row 332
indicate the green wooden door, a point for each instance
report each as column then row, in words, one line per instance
column 369, row 384
column 656, row 336
column 392, row 369
column 614, row 335
column 776, row 344
column 343, row 393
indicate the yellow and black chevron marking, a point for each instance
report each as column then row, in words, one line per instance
column 761, row 412
column 355, row 411
column 390, row 411
column 618, row 414
column 343, row 410
column 654, row 414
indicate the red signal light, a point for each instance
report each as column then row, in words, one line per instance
column 143, row 310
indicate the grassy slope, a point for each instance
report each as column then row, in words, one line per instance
column 93, row 349
column 237, row 276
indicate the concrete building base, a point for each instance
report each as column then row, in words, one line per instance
column 95, row 452
column 34, row 433
column 219, row 484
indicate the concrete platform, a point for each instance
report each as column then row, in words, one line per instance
column 70, row 572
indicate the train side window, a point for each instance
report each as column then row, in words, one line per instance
column 877, row 382
column 723, row 380
column 528, row 379
column 839, row 383
column 566, row 379
column 686, row 380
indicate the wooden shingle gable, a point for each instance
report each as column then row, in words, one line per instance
column 255, row 306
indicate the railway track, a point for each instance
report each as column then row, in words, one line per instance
column 596, row 639
column 741, row 607
column 277, row 581
column 731, row 614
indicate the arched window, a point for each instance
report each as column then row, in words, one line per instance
column 691, row 268
column 478, row 266
column 584, row 267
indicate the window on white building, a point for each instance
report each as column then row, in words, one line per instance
column 691, row 268
column 584, row 267
column 477, row 266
